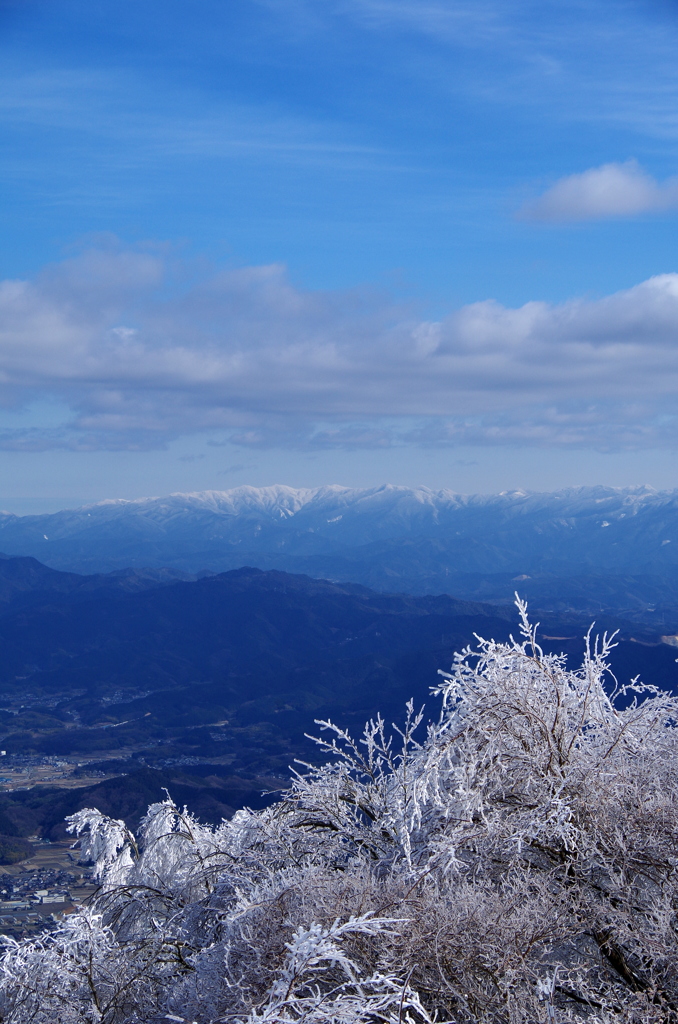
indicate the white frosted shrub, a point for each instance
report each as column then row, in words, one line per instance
column 515, row 863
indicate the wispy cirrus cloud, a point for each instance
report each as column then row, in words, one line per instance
column 144, row 350
column 612, row 190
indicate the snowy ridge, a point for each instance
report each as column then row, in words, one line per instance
column 396, row 528
column 388, row 497
column 245, row 497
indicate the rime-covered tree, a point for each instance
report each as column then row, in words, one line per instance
column 516, row 862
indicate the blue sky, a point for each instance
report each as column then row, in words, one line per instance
column 348, row 241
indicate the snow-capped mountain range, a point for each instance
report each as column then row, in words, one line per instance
column 405, row 533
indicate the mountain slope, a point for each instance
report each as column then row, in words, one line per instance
column 236, row 667
column 233, row 666
column 24, row 581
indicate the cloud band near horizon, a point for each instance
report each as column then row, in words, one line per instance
column 144, row 349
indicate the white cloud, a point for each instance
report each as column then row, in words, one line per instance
column 613, row 190
column 142, row 354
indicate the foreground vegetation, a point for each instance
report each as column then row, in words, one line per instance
column 517, row 863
